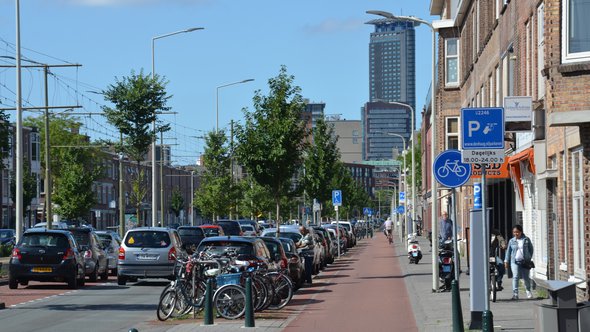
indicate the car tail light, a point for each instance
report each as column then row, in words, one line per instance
column 284, row 263
column 447, row 260
column 88, row 254
column 414, row 246
column 16, row 254
column 172, row 254
column 69, row 254
column 121, row 253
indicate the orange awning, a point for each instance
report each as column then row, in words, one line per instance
column 515, row 164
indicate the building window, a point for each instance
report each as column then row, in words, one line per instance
column 499, row 101
column 452, row 133
column 578, row 212
column 528, row 65
column 576, row 35
column 452, row 61
column 35, row 146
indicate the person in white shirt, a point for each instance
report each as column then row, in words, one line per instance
column 388, row 227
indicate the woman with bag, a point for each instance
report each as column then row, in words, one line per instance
column 519, row 255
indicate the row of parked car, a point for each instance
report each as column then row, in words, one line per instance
column 71, row 255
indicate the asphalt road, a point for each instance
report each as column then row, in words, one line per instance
column 96, row 307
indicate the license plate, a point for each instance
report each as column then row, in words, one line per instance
column 147, row 257
column 414, row 254
column 41, row 269
column 446, row 268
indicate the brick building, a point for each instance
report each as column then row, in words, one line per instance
column 492, row 49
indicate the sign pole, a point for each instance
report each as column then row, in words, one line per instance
column 486, row 238
column 337, row 228
column 456, row 249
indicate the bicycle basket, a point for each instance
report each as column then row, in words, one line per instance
column 228, row 279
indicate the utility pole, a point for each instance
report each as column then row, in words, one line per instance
column 47, row 185
column 161, row 178
column 231, row 161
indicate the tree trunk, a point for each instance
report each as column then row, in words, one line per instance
column 278, row 203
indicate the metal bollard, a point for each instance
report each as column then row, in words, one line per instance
column 249, row 321
column 458, row 325
column 208, row 316
column 487, row 324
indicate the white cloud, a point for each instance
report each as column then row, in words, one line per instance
column 334, row 26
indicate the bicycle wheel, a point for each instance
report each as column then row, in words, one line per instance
column 260, row 293
column 460, row 171
column 283, row 290
column 230, row 301
column 166, row 305
column 493, row 287
column 443, row 172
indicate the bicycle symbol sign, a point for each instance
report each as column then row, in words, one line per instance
column 449, row 170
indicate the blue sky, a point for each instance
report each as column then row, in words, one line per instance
column 323, row 43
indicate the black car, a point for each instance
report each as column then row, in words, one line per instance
column 95, row 258
column 7, row 237
column 191, row 236
column 296, row 267
column 230, row 227
column 46, row 255
column 277, row 253
column 249, row 249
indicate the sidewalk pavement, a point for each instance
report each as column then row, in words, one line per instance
column 432, row 311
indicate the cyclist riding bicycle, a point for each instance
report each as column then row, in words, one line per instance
column 388, row 227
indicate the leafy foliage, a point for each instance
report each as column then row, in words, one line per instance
column 321, row 158
column 214, row 195
column 4, row 137
column 271, row 139
column 418, row 166
column 255, row 200
column 29, row 185
column 177, row 202
column 138, row 193
column 73, row 189
column 136, row 100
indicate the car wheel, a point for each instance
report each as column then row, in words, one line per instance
column 12, row 283
column 121, row 280
column 73, row 282
column 105, row 275
column 24, row 282
column 114, row 272
column 94, row 276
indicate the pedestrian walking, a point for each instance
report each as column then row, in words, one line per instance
column 305, row 244
column 498, row 243
column 446, row 228
column 519, row 258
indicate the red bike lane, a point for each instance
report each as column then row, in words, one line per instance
column 363, row 291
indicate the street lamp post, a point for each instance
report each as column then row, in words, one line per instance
column 217, row 100
column 433, row 183
column 154, row 171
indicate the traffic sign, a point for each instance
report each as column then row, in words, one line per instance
column 477, row 195
column 401, row 209
column 367, row 211
column 483, row 156
column 402, row 197
column 449, row 170
column 482, row 128
column 337, row 197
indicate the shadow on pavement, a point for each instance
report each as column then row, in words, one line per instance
column 298, row 302
column 335, row 276
column 313, row 291
column 151, row 283
column 97, row 307
column 397, row 276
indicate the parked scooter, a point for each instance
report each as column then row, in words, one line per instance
column 414, row 251
column 446, row 266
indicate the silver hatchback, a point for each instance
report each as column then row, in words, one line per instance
column 148, row 252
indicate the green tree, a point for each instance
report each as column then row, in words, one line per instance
column 271, row 141
column 138, row 193
column 73, row 189
column 321, row 157
column 136, row 100
column 177, row 202
column 255, row 200
column 417, row 167
column 214, row 195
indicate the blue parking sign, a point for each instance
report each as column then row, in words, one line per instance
column 482, row 128
column 337, row 197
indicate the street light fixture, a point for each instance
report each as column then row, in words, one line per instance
column 433, row 183
column 154, row 171
column 217, row 100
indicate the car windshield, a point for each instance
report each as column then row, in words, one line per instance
column 211, row 231
column 230, row 228
column 273, row 247
column 4, row 234
column 44, row 240
column 219, row 248
column 287, row 235
column 147, row 239
column 190, row 232
column 82, row 237
column 105, row 239
column 347, row 226
column 248, row 228
column 287, row 246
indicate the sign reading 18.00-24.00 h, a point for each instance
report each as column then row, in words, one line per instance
column 483, row 135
